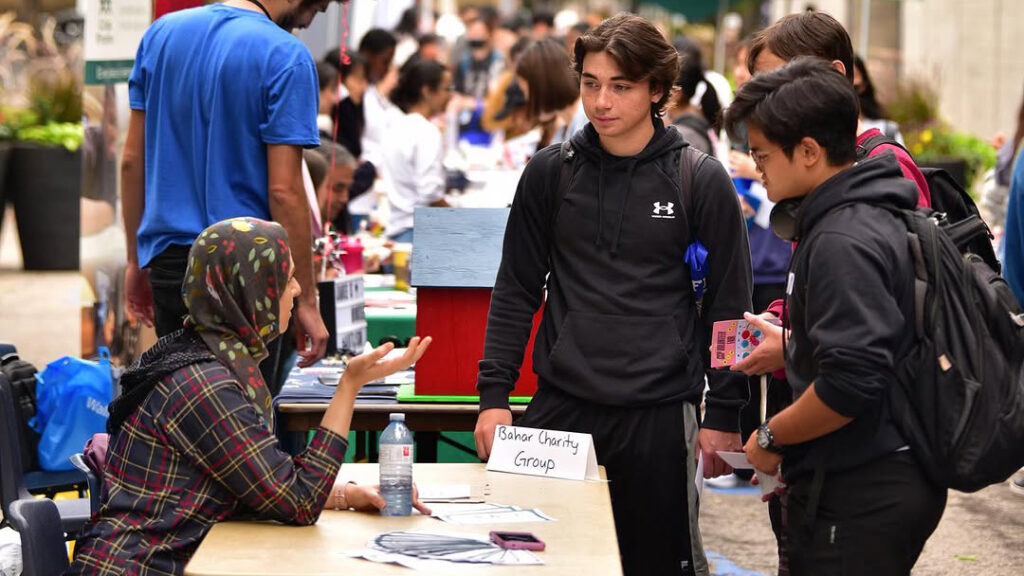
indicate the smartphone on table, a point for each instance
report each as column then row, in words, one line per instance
column 517, row 540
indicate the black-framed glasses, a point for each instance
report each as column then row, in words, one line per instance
column 760, row 158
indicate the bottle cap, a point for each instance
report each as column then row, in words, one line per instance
column 397, row 416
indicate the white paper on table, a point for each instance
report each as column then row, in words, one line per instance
column 448, row 508
column 382, row 557
column 499, row 516
column 539, row 452
column 430, row 492
column 440, row 560
column 403, row 377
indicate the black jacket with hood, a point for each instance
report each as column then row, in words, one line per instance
column 619, row 325
column 851, row 310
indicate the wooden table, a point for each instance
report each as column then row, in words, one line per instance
column 581, row 541
column 426, row 419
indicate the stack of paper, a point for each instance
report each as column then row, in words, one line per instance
column 450, row 548
column 318, row 383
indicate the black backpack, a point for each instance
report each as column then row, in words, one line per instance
column 959, row 397
column 22, row 376
column 948, row 197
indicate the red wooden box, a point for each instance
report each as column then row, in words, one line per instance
column 456, row 319
column 455, row 260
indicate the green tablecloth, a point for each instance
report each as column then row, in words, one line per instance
column 398, row 320
column 381, row 322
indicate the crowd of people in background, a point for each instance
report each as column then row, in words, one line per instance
column 660, row 156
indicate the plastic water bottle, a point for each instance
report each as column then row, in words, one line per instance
column 396, row 467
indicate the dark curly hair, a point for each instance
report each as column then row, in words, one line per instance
column 640, row 50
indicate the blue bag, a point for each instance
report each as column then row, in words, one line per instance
column 72, row 396
column 697, row 257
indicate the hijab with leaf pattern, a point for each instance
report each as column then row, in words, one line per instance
column 237, row 271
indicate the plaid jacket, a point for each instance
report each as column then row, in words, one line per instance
column 196, row 453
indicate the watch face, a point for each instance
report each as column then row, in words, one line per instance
column 762, row 439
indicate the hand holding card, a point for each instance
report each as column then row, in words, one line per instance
column 732, row 341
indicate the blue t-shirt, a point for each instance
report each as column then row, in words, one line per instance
column 1013, row 237
column 217, row 84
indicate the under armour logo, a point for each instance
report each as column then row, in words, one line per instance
column 664, row 210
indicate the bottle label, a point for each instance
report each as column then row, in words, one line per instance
column 395, row 454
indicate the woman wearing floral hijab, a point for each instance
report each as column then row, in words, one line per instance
column 192, row 438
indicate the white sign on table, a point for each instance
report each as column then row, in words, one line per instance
column 538, row 452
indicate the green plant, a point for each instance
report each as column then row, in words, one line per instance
column 66, row 134
column 916, row 108
column 14, row 119
column 56, row 96
column 40, row 85
column 940, row 142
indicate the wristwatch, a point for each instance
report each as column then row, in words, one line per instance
column 766, row 440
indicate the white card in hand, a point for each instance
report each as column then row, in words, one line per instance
column 737, row 460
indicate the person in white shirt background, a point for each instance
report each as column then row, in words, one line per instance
column 412, row 154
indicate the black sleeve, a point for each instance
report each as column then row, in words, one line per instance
column 519, row 286
column 854, row 322
column 723, row 231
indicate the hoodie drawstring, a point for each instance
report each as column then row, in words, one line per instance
column 622, row 208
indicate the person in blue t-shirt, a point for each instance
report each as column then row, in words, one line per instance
column 224, row 99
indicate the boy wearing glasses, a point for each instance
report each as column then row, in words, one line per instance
column 621, row 351
column 850, row 293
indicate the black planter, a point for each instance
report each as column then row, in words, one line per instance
column 45, row 184
column 5, row 154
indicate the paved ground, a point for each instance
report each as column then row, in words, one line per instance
column 980, row 534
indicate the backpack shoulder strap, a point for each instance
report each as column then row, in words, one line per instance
column 690, row 160
column 566, row 158
column 920, row 237
column 869, row 145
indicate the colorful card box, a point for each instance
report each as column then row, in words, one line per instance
column 732, row 341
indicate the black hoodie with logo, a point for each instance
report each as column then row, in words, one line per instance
column 620, row 326
column 851, row 311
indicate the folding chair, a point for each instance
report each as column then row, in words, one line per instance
column 14, row 482
column 43, row 552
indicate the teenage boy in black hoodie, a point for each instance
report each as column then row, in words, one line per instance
column 621, row 352
column 858, row 502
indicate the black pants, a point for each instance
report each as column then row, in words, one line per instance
column 643, row 451
column 166, row 275
column 870, row 521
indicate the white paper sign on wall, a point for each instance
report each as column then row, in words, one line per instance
column 538, row 452
column 113, row 30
